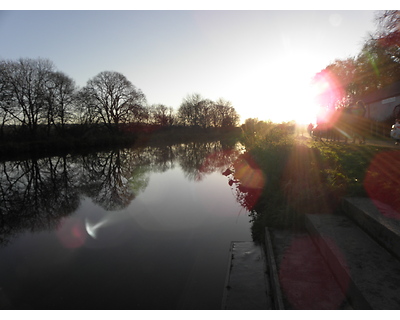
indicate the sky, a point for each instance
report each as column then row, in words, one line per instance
column 259, row 60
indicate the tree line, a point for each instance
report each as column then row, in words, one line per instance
column 35, row 96
column 375, row 67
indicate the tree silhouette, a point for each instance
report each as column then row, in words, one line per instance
column 198, row 111
column 162, row 115
column 114, row 99
column 26, row 84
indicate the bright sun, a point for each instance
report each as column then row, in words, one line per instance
column 297, row 103
column 292, row 93
column 278, row 91
column 305, row 110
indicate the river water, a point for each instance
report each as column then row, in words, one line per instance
column 136, row 229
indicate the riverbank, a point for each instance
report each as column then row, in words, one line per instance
column 77, row 141
column 304, row 176
column 318, row 249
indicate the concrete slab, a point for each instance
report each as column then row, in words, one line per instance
column 366, row 272
column 379, row 220
column 305, row 279
column 247, row 284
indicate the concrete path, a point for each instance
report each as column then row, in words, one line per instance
column 305, row 278
column 247, row 284
column 383, row 142
column 301, row 278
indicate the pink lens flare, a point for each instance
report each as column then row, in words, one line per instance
column 72, row 233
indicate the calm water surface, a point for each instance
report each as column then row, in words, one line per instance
column 142, row 228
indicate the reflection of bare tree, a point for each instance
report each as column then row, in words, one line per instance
column 35, row 195
column 191, row 156
column 199, row 159
column 163, row 158
column 113, row 179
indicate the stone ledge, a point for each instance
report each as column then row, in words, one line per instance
column 247, row 285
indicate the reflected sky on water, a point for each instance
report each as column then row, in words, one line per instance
column 145, row 228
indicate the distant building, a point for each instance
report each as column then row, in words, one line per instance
column 383, row 106
column 382, row 103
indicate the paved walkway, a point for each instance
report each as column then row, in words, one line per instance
column 383, row 142
column 304, row 276
column 247, row 284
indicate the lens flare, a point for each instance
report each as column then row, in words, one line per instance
column 302, row 185
column 71, row 233
column 249, row 180
column 92, row 228
column 373, row 63
column 382, row 181
column 305, row 280
column 328, row 89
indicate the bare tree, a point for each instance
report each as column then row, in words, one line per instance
column 162, row 115
column 4, row 98
column 190, row 110
column 197, row 111
column 84, row 113
column 114, row 99
column 26, row 84
column 225, row 114
column 60, row 99
column 206, row 111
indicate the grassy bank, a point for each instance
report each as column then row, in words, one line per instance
column 303, row 176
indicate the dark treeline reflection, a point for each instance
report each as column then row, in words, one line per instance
column 36, row 194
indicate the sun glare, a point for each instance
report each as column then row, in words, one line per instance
column 291, row 94
column 295, row 104
column 277, row 91
column 306, row 109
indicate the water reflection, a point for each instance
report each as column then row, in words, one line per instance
column 246, row 180
column 113, row 179
column 146, row 228
column 36, row 194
